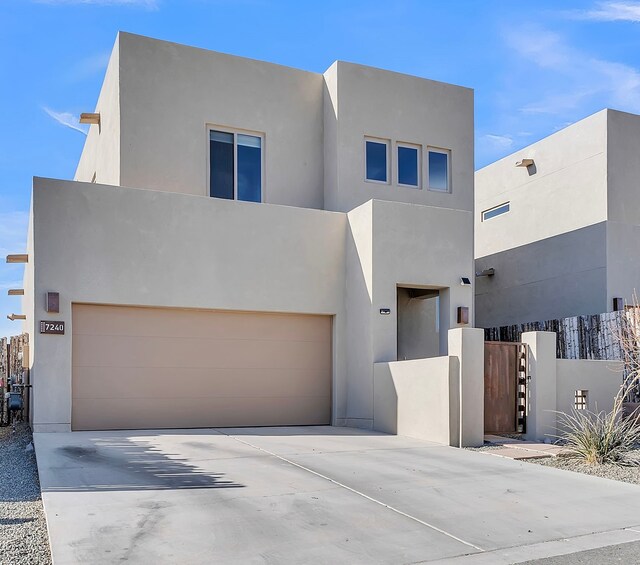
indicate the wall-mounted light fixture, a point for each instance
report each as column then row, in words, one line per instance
column 16, row 317
column 16, row 292
column 618, row 304
column 90, row 118
column 52, row 302
column 465, row 281
column 18, row 258
column 486, row 273
column 525, row 163
column 463, row 314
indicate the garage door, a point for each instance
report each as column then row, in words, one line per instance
column 136, row 368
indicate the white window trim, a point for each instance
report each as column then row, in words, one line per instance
column 387, row 143
column 484, row 212
column 443, row 151
column 419, row 164
column 235, row 131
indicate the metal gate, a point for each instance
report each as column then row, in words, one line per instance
column 505, row 387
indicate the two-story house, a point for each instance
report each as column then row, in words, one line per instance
column 557, row 224
column 243, row 241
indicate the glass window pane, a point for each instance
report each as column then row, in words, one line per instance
column 376, row 156
column 221, row 164
column 249, row 168
column 438, row 171
column 497, row 211
column 408, row 165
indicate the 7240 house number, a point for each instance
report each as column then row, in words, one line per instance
column 52, row 327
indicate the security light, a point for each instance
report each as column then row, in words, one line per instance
column 465, row 281
column 486, row 273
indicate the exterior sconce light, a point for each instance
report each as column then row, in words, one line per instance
column 486, row 273
column 463, row 315
column 20, row 258
column 618, row 304
column 90, row 118
column 465, row 281
column 52, row 302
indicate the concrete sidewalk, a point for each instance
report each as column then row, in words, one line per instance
column 314, row 495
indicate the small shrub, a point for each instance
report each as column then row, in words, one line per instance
column 603, row 437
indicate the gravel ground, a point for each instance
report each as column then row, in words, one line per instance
column 627, row 474
column 23, row 528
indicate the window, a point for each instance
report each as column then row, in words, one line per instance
column 581, row 400
column 495, row 211
column 377, row 160
column 409, row 165
column 438, row 170
column 235, row 162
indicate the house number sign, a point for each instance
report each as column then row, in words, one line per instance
column 51, row 327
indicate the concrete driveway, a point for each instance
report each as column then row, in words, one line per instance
column 313, row 495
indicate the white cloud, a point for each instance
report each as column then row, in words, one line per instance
column 66, row 119
column 565, row 79
column 498, row 142
column 147, row 4
column 613, row 12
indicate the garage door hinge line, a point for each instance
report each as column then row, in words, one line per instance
column 363, row 495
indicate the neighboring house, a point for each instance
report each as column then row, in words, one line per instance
column 243, row 241
column 561, row 228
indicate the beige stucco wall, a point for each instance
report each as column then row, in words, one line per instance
column 170, row 93
column 400, row 108
column 111, row 245
column 393, row 244
column 601, row 378
column 568, row 190
column 418, row 398
column 101, row 153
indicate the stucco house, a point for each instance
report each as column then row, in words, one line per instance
column 243, row 242
column 557, row 224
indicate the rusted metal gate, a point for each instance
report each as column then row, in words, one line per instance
column 505, row 387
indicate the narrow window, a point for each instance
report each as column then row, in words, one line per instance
column 376, row 156
column 581, row 400
column 235, row 161
column 495, row 211
column 409, row 165
column 438, row 165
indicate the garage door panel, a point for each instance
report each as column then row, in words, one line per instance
column 159, row 367
column 199, row 412
column 115, row 351
column 137, row 321
column 144, row 382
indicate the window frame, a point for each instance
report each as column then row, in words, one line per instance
column 235, row 131
column 419, row 167
column 441, row 151
column 387, row 144
column 507, row 204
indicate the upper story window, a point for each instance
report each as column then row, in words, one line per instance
column 496, row 211
column 438, row 170
column 409, row 165
column 377, row 160
column 235, row 165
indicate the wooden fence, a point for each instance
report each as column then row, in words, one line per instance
column 580, row 337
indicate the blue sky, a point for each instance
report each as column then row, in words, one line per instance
column 535, row 67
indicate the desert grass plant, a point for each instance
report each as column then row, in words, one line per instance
column 598, row 438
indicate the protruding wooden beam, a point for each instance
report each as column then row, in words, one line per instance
column 90, row 118
column 16, row 292
column 18, row 258
column 16, row 317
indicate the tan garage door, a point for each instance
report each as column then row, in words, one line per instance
column 136, row 368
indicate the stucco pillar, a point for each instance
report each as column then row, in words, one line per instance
column 541, row 415
column 467, row 344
